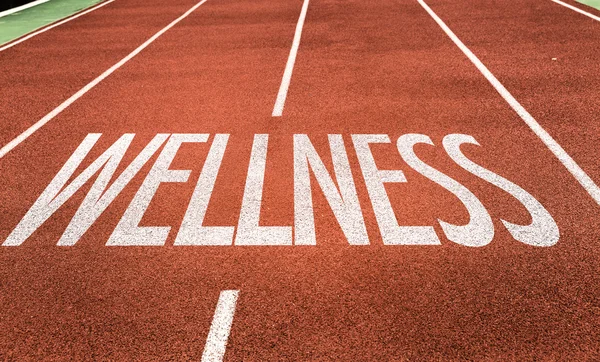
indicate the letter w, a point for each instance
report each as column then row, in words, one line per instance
column 96, row 201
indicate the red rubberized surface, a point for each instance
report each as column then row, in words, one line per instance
column 363, row 67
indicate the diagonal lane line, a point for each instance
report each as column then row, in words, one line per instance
column 47, row 118
column 574, row 8
column 289, row 67
column 218, row 334
column 51, row 26
column 570, row 164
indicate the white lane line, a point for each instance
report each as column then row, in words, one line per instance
column 220, row 327
column 23, row 136
column 22, row 7
column 572, row 166
column 289, row 67
column 31, row 35
column 574, row 8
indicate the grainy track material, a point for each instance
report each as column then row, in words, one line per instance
column 362, row 68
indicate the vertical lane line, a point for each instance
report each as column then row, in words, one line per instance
column 572, row 166
column 66, row 20
column 289, row 67
column 220, row 327
column 39, row 124
column 574, row 8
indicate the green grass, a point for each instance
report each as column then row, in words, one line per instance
column 18, row 24
column 592, row 3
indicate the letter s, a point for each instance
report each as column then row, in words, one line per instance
column 480, row 229
column 542, row 231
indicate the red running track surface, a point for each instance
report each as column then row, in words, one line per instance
column 362, row 68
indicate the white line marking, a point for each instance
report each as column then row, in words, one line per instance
column 22, row 7
column 289, row 67
column 23, row 136
column 31, row 35
column 577, row 9
column 220, row 327
column 585, row 181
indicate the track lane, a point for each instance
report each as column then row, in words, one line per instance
column 545, row 55
column 49, row 68
column 195, row 78
column 394, row 71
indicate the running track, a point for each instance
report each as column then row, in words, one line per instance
column 362, row 68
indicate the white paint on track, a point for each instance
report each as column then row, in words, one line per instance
column 22, row 7
column 42, row 30
column 289, row 67
column 220, row 327
column 574, row 8
column 47, row 118
column 572, row 166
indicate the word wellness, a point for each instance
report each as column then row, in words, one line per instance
column 340, row 195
